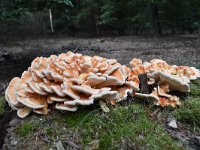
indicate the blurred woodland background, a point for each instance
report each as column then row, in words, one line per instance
column 29, row 19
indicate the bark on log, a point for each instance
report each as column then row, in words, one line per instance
column 144, row 88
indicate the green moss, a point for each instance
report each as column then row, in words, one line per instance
column 73, row 119
column 189, row 112
column 24, row 129
column 49, row 131
column 195, row 88
column 122, row 123
column 2, row 104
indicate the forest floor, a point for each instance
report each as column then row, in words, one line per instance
column 130, row 125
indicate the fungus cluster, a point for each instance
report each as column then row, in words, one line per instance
column 71, row 79
column 67, row 81
column 168, row 78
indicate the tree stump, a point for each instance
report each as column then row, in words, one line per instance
column 144, row 88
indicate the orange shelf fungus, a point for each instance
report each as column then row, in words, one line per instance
column 168, row 78
column 70, row 79
column 67, row 81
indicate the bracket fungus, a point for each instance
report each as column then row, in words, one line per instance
column 168, row 78
column 67, row 81
column 70, row 79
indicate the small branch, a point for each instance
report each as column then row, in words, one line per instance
column 155, row 112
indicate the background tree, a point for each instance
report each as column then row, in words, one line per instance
column 99, row 17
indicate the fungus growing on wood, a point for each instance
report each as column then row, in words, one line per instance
column 164, row 78
column 174, row 82
column 67, row 81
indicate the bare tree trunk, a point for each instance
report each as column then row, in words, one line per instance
column 51, row 21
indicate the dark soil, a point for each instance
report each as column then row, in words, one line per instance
column 5, row 118
column 189, row 139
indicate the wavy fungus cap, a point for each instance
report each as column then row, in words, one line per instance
column 67, row 81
